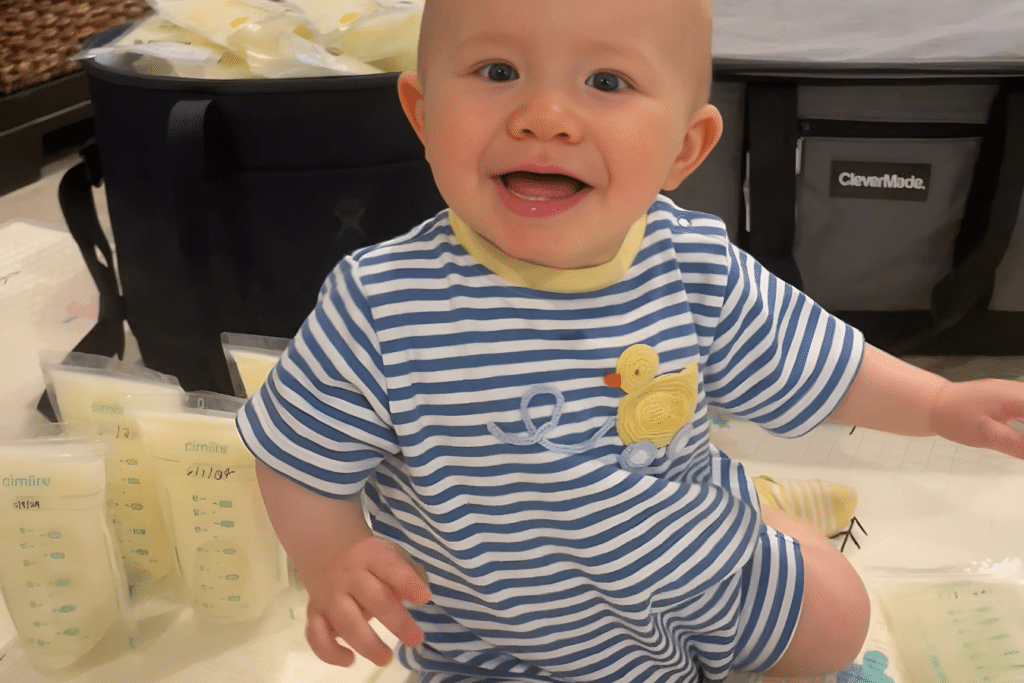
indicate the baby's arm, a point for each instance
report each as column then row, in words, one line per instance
column 893, row 396
column 351, row 575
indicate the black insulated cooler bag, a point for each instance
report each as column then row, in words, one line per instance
column 231, row 200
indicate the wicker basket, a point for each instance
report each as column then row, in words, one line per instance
column 38, row 36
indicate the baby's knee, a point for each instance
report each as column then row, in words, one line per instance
column 844, row 607
column 834, row 616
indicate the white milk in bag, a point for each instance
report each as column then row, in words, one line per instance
column 386, row 35
column 217, row 20
column 327, row 16
column 165, row 40
column 59, row 571
column 99, row 391
column 226, row 548
column 250, row 359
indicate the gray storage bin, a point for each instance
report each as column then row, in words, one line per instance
column 877, row 218
column 931, row 93
column 892, row 200
column 1008, row 290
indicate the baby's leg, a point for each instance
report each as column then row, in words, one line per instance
column 834, row 617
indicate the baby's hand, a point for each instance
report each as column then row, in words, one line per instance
column 979, row 414
column 369, row 581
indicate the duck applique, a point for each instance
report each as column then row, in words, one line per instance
column 653, row 409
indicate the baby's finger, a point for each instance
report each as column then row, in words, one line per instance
column 349, row 622
column 379, row 600
column 1005, row 439
column 322, row 641
column 404, row 576
column 422, row 574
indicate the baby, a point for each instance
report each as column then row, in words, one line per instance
column 517, row 390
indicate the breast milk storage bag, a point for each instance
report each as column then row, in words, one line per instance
column 250, row 359
column 226, row 548
column 59, row 571
column 94, row 391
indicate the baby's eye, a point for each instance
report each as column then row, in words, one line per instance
column 499, row 71
column 607, row 82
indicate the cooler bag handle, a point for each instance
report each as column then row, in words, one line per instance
column 74, row 194
column 187, row 149
column 990, row 217
column 772, row 135
column 193, row 129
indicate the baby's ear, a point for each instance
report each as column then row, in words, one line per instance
column 701, row 137
column 410, row 94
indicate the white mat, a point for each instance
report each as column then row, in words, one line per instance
column 923, row 502
column 47, row 300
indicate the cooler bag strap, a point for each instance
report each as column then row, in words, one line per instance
column 192, row 139
column 772, row 135
column 990, row 218
column 106, row 338
column 186, row 145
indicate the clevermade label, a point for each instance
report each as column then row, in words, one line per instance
column 880, row 180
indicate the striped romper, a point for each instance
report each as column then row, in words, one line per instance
column 465, row 397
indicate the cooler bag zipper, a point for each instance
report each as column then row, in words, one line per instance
column 832, row 128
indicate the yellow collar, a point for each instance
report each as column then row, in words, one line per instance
column 544, row 278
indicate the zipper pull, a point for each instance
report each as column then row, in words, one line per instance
column 746, row 192
column 805, row 129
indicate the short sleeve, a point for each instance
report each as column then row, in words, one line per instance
column 778, row 358
column 322, row 416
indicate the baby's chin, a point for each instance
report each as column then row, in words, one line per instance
column 551, row 242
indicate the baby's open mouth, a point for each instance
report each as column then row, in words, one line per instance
column 541, row 186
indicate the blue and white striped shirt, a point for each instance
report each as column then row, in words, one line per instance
column 473, row 410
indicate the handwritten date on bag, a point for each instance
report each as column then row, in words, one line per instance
column 209, row 472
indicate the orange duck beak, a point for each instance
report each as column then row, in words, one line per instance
column 613, row 380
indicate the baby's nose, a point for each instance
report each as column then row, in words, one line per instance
column 545, row 117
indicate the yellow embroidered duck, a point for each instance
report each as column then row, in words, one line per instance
column 653, row 409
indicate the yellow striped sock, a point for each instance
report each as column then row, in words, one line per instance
column 826, row 507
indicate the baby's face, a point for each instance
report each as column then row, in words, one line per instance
column 551, row 125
